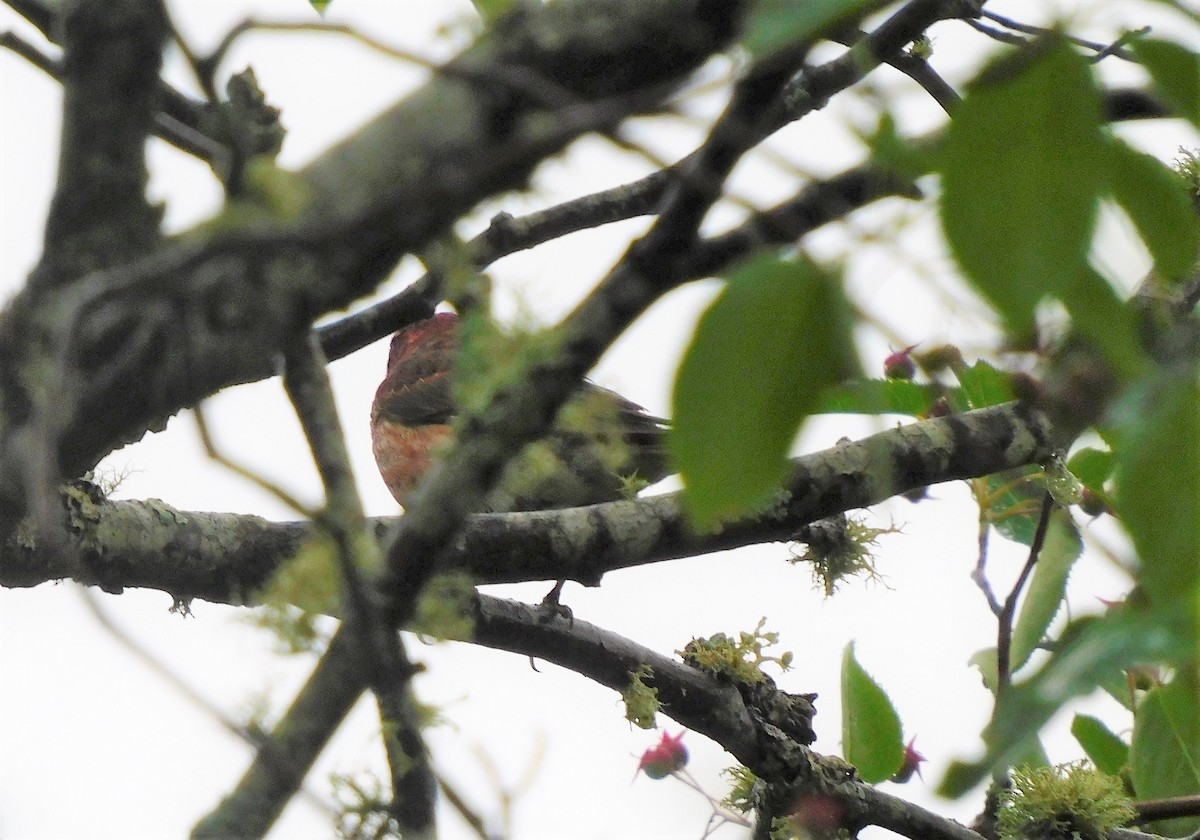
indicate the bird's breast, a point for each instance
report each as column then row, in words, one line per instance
column 405, row 453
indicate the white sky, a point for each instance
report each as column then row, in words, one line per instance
column 94, row 745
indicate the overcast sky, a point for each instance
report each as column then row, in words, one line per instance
column 93, row 744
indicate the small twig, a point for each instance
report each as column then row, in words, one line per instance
column 12, row 41
column 250, row 734
column 539, row 88
column 463, row 809
column 979, row 575
column 1004, row 632
column 719, row 812
column 997, row 34
column 1101, row 49
column 215, row 454
column 1116, row 47
column 917, row 69
column 1166, row 809
column 174, row 128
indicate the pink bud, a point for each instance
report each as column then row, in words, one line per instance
column 912, row 764
column 900, row 365
column 665, row 757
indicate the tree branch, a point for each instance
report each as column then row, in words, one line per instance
column 99, row 215
column 733, row 716
column 414, row 786
column 228, row 558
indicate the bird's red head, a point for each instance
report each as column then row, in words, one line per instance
column 417, row 339
column 419, row 353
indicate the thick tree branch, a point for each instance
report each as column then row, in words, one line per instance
column 228, row 558
column 99, row 216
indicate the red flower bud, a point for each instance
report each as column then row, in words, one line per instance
column 665, row 757
column 900, row 365
column 912, row 764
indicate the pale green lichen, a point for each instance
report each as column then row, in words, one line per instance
column 740, row 659
column 741, row 793
column 839, row 548
column 921, row 48
column 1187, row 164
column 641, row 700
column 492, row 357
column 363, row 812
column 1068, row 802
column 298, row 594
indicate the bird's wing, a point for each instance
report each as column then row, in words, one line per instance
column 428, row 401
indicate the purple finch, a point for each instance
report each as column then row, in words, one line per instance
column 599, row 449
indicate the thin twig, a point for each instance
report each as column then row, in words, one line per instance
column 538, row 87
column 1171, row 808
column 1101, row 49
column 276, row 490
column 251, row 734
column 979, row 575
column 12, row 41
column 1004, row 631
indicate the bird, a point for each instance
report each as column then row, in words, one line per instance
column 601, row 447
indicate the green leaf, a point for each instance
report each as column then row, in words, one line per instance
column 1156, row 199
column 1021, row 177
column 1089, row 651
column 1106, row 320
column 491, row 10
column 1158, row 474
column 896, row 152
column 1092, row 467
column 871, row 734
column 321, row 6
column 1016, row 500
column 987, row 662
column 773, row 23
column 1165, row 754
column 1107, row 751
column 983, row 385
column 760, row 358
column 1175, row 71
column 879, row 396
column 1047, row 588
